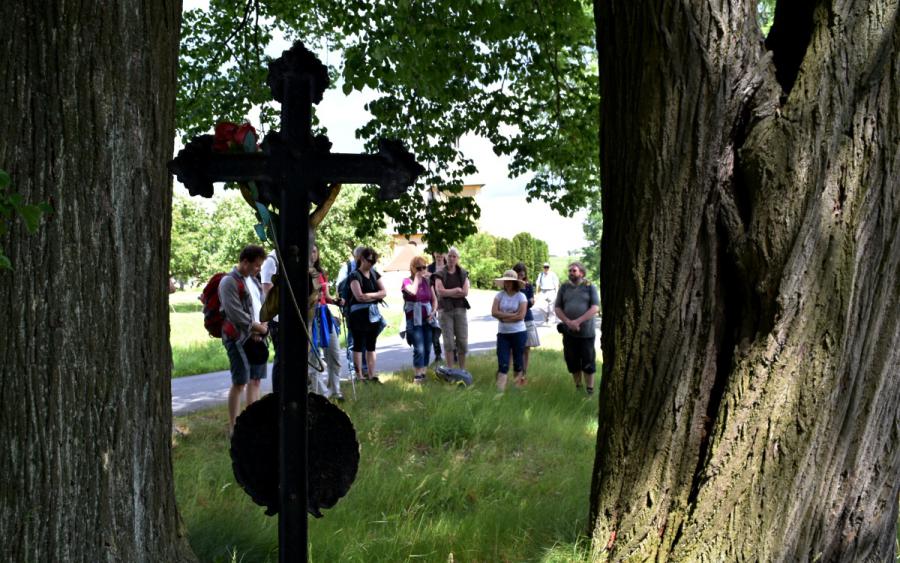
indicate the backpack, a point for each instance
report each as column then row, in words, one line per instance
column 343, row 288
column 456, row 376
column 213, row 317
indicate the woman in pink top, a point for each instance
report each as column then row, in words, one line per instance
column 419, row 304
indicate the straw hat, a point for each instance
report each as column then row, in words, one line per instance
column 509, row 275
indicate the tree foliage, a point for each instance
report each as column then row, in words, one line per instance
column 522, row 74
column 205, row 241
column 593, row 231
column 208, row 241
column 191, row 224
column 487, row 257
column 478, row 254
column 336, row 236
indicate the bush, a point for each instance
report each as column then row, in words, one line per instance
column 478, row 258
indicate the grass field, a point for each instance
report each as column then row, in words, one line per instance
column 445, row 475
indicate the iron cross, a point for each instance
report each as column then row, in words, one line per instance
column 294, row 169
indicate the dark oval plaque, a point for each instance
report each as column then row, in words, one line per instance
column 333, row 453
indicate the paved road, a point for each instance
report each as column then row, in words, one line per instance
column 209, row 389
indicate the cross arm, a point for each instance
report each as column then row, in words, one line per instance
column 393, row 168
column 197, row 166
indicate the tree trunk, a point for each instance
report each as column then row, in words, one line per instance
column 751, row 247
column 87, row 123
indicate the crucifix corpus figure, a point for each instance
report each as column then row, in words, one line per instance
column 293, row 170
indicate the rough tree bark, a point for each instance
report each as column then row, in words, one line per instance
column 751, row 246
column 87, row 123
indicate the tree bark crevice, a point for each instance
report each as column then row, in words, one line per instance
column 747, row 238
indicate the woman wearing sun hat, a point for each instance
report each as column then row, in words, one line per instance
column 509, row 309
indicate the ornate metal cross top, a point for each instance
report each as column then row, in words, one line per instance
column 293, row 169
column 293, row 157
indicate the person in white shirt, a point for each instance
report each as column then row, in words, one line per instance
column 269, row 269
column 547, row 285
column 256, row 297
column 509, row 309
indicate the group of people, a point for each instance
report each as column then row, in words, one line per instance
column 575, row 304
column 435, row 303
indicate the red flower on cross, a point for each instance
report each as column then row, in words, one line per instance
column 231, row 137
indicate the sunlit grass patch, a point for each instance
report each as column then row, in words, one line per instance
column 443, row 470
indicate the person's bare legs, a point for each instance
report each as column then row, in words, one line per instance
column 357, row 364
column 253, row 391
column 370, row 362
column 234, row 405
column 501, row 382
column 577, row 377
column 589, row 382
column 524, row 371
column 520, row 378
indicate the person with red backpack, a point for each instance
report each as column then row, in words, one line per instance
column 243, row 335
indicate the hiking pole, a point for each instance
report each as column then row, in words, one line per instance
column 351, row 369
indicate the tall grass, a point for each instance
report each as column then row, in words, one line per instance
column 445, row 474
column 193, row 351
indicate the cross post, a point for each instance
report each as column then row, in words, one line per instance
column 293, row 170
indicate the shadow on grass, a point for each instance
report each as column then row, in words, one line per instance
column 467, row 472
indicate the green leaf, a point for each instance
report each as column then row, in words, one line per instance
column 5, row 180
column 5, row 264
column 31, row 214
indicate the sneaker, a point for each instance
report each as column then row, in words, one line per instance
column 590, row 391
column 501, row 382
column 420, row 379
column 339, row 398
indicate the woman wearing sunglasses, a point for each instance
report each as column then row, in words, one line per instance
column 367, row 292
column 419, row 304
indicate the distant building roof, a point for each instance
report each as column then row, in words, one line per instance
column 400, row 262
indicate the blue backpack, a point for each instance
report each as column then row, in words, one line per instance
column 343, row 288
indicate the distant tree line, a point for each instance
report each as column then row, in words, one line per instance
column 486, row 257
column 208, row 239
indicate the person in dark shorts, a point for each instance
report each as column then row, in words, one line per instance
column 240, row 294
column 577, row 303
column 365, row 320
